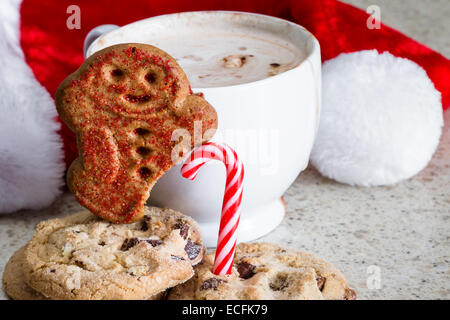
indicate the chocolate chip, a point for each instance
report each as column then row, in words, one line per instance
column 129, row 243
column 192, row 249
column 211, row 283
column 184, row 229
column 154, row 242
column 275, row 65
column 79, row 263
column 349, row 294
column 176, row 258
column 320, row 282
column 102, row 243
column 246, row 270
column 145, row 221
column 52, row 270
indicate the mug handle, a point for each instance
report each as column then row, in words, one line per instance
column 95, row 33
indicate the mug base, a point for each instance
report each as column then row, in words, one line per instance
column 254, row 223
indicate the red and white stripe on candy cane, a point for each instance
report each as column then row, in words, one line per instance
column 231, row 206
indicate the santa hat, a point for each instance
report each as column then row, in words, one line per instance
column 39, row 51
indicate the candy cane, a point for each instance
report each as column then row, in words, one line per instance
column 231, row 206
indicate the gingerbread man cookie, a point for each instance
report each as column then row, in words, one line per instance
column 124, row 104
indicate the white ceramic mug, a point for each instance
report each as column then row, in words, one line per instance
column 281, row 112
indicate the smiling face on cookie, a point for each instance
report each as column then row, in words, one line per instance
column 136, row 83
column 124, row 103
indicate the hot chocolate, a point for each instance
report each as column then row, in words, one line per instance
column 218, row 49
column 223, row 59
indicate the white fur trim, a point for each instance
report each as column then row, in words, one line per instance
column 31, row 155
column 381, row 119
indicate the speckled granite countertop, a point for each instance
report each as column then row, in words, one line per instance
column 399, row 234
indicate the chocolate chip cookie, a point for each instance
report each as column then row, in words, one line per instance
column 13, row 279
column 266, row 271
column 84, row 257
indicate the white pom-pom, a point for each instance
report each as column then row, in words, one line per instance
column 381, row 119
